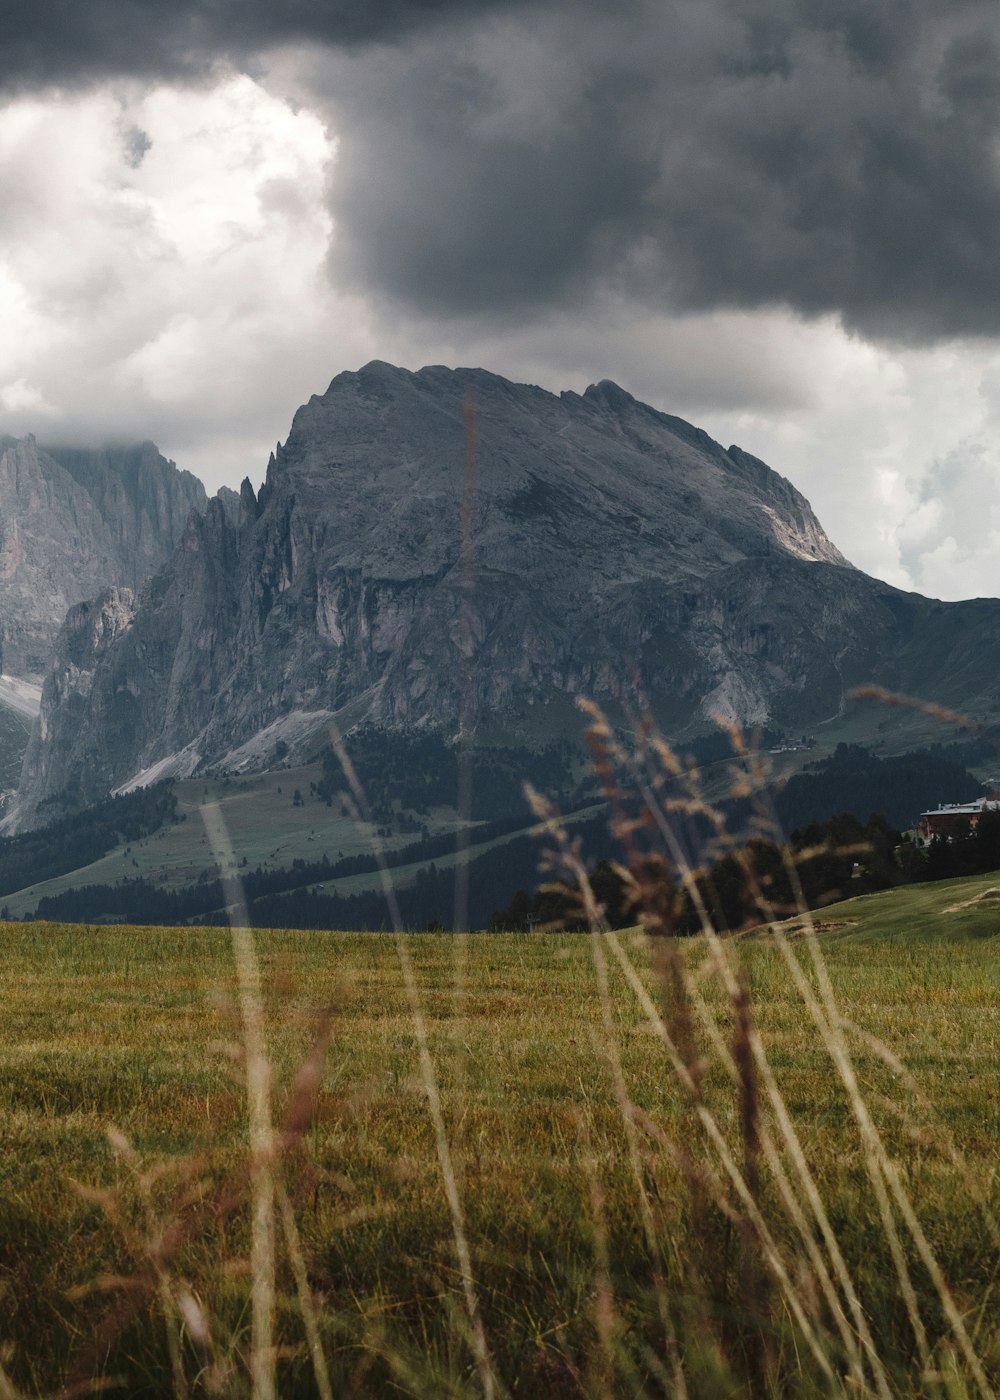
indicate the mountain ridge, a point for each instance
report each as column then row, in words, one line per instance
column 609, row 539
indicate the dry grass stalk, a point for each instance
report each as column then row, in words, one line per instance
column 753, row 1285
column 805, row 1228
column 882, row 1172
column 165, row 1235
column 576, row 871
column 568, row 855
column 650, row 1225
column 258, row 1079
column 310, row 1318
column 605, row 1321
column 158, row 1259
column 790, row 1139
column 477, row 1331
column 895, row 1065
column 655, row 898
column 299, row 1114
column 727, row 1161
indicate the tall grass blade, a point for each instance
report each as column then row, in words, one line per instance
column 429, row 1080
column 310, row 1318
column 258, row 1080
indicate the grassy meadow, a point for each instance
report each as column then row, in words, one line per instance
column 265, row 826
column 509, row 1096
column 947, row 909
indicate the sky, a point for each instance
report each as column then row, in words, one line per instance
column 776, row 218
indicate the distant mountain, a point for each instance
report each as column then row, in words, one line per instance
column 74, row 522
column 610, row 541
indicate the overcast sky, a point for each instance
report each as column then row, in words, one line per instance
column 777, row 218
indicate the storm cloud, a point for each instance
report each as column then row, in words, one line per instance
column 51, row 41
column 501, row 158
column 834, row 157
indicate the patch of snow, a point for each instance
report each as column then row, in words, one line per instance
column 23, row 697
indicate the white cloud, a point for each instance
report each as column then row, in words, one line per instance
column 162, row 268
column 950, row 537
column 20, row 396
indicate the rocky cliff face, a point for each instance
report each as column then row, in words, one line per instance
column 608, row 538
column 143, row 499
column 71, row 524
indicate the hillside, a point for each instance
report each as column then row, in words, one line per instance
column 302, row 861
column 948, row 909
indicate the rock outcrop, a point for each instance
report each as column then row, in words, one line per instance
column 72, row 523
column 608, row 540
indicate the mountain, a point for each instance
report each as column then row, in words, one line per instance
column 73, row 522
column 610, row 541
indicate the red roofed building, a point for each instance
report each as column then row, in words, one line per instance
column 956, row 819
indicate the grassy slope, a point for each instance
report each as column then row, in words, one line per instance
column 265, row 827
column 946, row 910
column 128, row 1027
column 404, row 875
column 268, row 830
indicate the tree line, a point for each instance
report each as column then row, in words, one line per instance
column 761, row 880
column 79, row 840
column 504, row 882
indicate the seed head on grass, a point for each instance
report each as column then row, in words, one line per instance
column 621, row 773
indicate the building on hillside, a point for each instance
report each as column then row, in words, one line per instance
column 952, row 819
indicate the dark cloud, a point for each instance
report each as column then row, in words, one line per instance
column 828, row 155
column 44, row 41
column 454, row 212
column 501, row 158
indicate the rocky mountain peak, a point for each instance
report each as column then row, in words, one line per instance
column 230, row 502
column 387, row 431
column 608, row 394
column 143, row 498
column 609, row 538
column 248, row 502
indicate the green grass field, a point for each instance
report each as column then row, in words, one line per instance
column 266, row 828
column 264, row 824
column 966, row 908
column 603, row 1236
